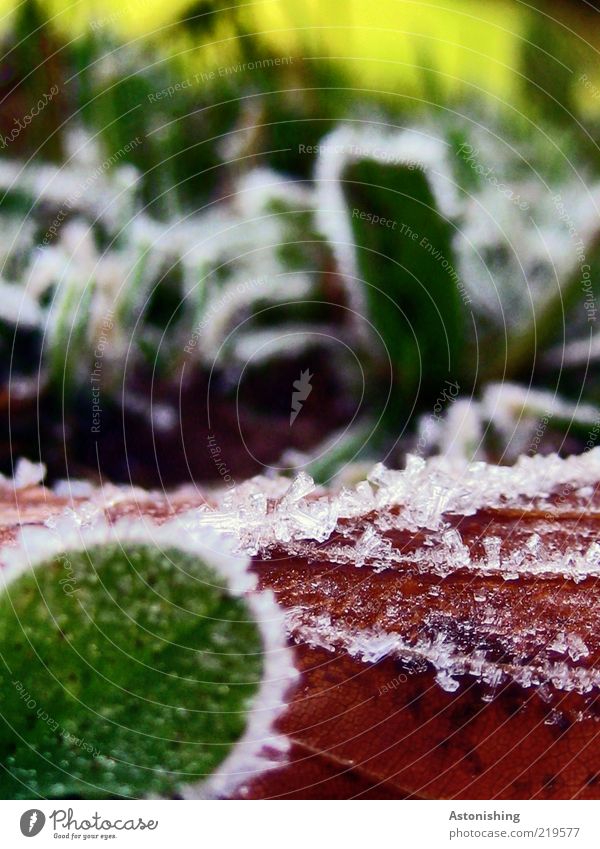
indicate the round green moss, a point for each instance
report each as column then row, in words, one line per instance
column 123, row 673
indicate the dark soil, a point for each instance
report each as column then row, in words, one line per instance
column 195, row 429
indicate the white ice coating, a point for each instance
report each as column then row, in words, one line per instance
column 510, row 256
column 65, row 281
column 101, row 191
column 18, row 306
column 266, row 513
column 513, row 256
column 445, row 553
column 449, row 661
column 260, row 747
column 347, row 145
column 579, row 352
column 508, row 404
column 426, row 492
column 256, row 523
column 239, row 236
column 518, row 416
column 262, row 345
column 26, row 474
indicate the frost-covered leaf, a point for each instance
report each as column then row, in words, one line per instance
column 387, row 217
column 133, row 668
column 459, row 662
column 443, row 620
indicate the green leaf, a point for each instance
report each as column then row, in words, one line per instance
column 127, row 672
column 404, row 256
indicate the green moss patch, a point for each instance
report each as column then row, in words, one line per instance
column 124, row 673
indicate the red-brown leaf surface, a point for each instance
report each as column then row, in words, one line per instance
column 454, row 660
column 388, row 729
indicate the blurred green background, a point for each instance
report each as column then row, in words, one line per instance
column 189, row 149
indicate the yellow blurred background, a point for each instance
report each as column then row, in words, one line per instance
column 466, row 47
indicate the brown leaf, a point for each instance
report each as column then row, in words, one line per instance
column 441, row 673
